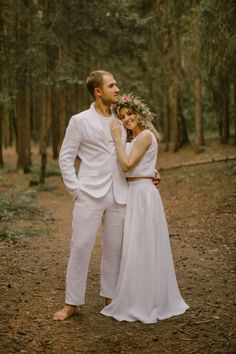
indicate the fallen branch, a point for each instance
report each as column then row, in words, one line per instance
column 181, row 330
column 194, row 163
column 27, row 270
column 200, row 322
column 227, row 315
column 213, row 305
column 198, row 350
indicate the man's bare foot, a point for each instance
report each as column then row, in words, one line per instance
column 65, row 313
column 107, row 301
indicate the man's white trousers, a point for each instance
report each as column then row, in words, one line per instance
column 88, row 213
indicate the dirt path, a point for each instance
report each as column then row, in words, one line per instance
column 200, row 208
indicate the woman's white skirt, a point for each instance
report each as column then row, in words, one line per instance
column 147, row 288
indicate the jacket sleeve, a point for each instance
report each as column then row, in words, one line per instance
column 68, row 153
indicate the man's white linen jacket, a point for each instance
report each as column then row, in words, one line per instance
column 99, row 168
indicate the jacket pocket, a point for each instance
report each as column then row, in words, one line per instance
column 87, row 173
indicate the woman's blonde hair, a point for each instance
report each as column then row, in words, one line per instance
column 144, row 115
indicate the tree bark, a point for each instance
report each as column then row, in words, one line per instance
column 62, row 114
column 199, row 137
column 54, row 123
column 49, row 108
column 6, row 127
column 33, row 116
column 225, row 119
column 166, row 118
column 1, row 142
column 2, row 53
column 234, row 111
column 82, row 97
column 23, row 134
column 43, row 134
column 184, row 140
column 23, row 116
column 152, row 63
column 175, row 117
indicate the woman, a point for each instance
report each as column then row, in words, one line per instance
column 147, row 289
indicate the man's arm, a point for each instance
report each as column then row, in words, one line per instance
column 157, row 178
column 67, row 156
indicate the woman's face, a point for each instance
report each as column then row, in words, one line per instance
column 128, row 118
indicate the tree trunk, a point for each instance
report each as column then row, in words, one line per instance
column 1, row 142
column 180, row 136
column 23, row 116
column 14, row 124
column 28, row 129
column 183, row 126
column 225, row 118
column 234, row 112
column 82, row 97
column 166, row 119
column 43, row 134
column 175, row 117
column 6, row 127
column 62, row 114
column 54, row 124
column 199, row 137
column 73, row 100
column 49, row 108
column 33, row 116
column 152, row 63
column 23, row 133
column 2, row 53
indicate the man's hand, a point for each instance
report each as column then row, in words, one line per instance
column 157, row 178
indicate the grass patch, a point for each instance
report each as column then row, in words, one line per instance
column 13, row 235
column 23, row 205
column 14, row 206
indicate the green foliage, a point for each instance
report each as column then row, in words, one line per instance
column 217, row 31
column 148, row 45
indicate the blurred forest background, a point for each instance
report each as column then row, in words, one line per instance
column 177, row 55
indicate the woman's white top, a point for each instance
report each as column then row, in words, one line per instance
column 146, row 166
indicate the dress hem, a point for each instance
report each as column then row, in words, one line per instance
column 117, row 318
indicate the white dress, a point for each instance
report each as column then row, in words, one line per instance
column 147, row 288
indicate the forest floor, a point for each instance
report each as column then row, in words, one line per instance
column 200, row 204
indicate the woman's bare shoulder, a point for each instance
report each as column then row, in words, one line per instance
column 145, row 135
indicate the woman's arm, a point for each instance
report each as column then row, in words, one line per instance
column 141, row 145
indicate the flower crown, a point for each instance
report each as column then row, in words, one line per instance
column 136, row 104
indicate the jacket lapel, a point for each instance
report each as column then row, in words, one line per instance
column 101, row 135
column 94, row 132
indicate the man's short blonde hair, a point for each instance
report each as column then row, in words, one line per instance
column 95, row 79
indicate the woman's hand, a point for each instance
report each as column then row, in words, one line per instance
column 116, row 130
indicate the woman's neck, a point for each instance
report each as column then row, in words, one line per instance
column 136, row 131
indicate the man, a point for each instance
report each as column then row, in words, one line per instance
column 99, row 190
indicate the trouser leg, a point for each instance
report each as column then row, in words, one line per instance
column 87, row 216
column 113, row 222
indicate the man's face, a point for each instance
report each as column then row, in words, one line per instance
column 109, row 91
